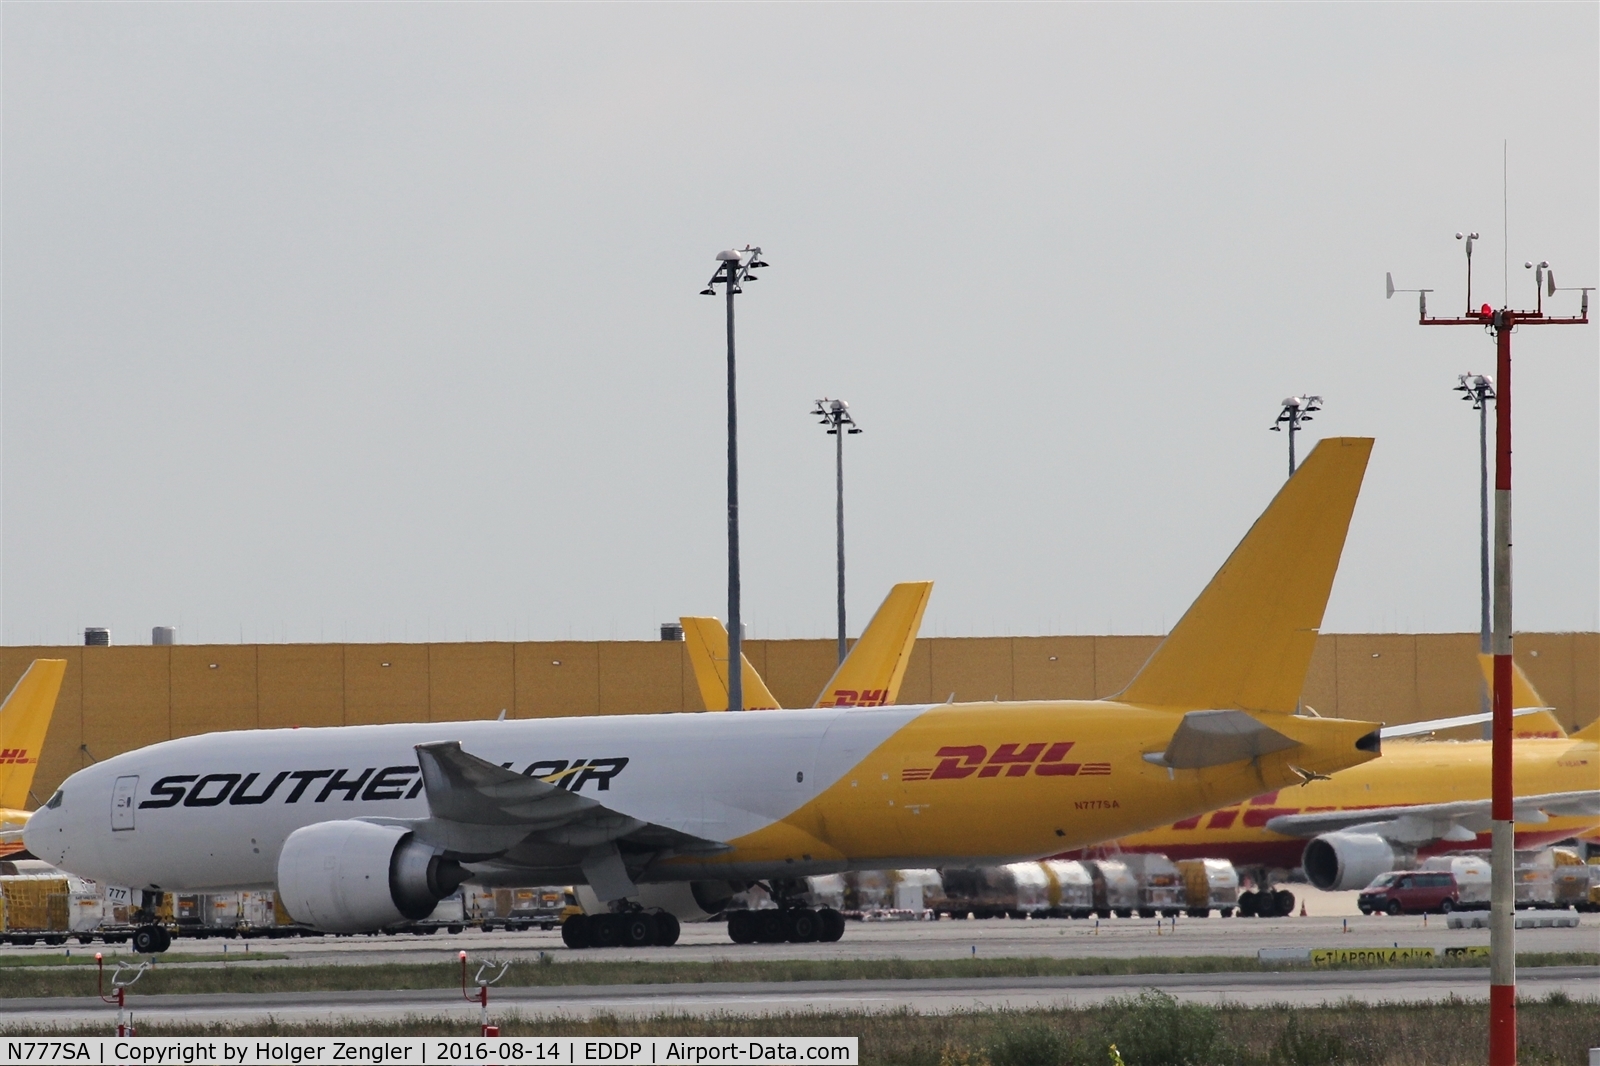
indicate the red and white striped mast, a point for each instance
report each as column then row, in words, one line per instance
column 1502, row 895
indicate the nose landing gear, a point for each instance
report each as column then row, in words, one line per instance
column 151, row 939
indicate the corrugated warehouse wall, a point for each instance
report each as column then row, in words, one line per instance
column 119, row 698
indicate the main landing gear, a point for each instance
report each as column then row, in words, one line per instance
column 1266, row 904
column 151, row 940
column 794, row 925
column 629, row 929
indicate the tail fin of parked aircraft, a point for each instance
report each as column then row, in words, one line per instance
column 1591, row 733
column 1542, row 722
column 24, row 719
column 707, row 642
column 1246, row 642
column 871, row 674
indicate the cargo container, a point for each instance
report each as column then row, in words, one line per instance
column 1018, row 890
column 36, row 907
column 825, row 890
column 517, row 908
column 1472, row 876
column 1071, row 888
column 1209, row 885
column 1116, row 889
column 1160, row 884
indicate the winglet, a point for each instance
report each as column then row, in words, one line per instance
column 24, row 720
column 1538, row 721
column 707, row 643
column 871, row 674
column 1246, row 642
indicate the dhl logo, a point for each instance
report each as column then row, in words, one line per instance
column 1011, row 760
column 1257, row 813
column 14, row 756
column 849, row 697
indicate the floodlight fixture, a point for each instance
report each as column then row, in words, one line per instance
column 1295, row 410
column 733, row 267
column 835, row 414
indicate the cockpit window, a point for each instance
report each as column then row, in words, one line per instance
column 55, row 801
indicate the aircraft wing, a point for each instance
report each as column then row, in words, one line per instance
column 481, row 810
column 1425, row 822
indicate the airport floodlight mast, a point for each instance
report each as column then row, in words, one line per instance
column 1502, row 897
column 733, row 270
column 1479, row 390
column 835, row 414
column 1296, row 409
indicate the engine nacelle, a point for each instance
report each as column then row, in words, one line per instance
column 688, row 901
column 355, row 877
column 1336, row 862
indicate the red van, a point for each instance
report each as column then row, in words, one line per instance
column 1411, row 892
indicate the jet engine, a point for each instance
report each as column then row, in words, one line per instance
column 688, row 901
column 1335, row 862
column 353, row 877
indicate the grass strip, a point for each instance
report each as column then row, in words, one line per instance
column 1149, row 1029
column 545, row 970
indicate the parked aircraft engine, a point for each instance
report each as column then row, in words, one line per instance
column 1335, row 862
column 350, row 877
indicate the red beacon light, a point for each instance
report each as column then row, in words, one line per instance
column 1486, row 310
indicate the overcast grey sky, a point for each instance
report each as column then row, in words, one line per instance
column 379, row 321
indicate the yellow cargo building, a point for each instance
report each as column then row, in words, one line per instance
column 114, row 699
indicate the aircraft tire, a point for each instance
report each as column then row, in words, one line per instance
column 800, row 925
column 667, row 929
column 575, row 931
column 830, row 925
column 606, row 930
column 741, row 927
column 771, row 928
column 1247, row 904
column 145, row 940
column 638, row 929
column 1285, row 903
column 1146, row 912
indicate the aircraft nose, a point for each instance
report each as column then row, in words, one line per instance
column 45, row 835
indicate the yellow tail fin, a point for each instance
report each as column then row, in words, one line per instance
column 24, row 719
column 707, row 642
column 1246, row 643
column 1591, row 733
column 871, row 674
column 1539, row 724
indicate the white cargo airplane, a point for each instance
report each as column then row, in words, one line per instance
column 361, row 827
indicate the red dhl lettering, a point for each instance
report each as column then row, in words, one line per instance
column 1008, row 760
column 1223, row 819
column 14, row 755
column 1188, row 823
column 849, row 697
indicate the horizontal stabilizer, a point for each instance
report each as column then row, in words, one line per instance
column 1417, row 729
column 1246, row 642
column 1216, row 738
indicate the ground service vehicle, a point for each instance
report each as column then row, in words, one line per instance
column 359, row 828
column 1209, row 885
column 1410, row 892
